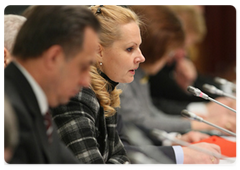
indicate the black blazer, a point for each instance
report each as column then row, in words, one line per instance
column 33, row 146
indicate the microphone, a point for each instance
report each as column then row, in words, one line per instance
column 199, row 93
column 162, row 135
column 212, row 89
column 225, row 82
column 193, row 116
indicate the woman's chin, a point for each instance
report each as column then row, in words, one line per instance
column 129, row 80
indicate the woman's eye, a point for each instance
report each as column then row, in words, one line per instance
column 130, row 49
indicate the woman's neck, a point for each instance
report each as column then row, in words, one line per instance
column 112, row 83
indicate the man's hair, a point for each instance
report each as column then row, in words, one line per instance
column 54, row 25
column 12, row 24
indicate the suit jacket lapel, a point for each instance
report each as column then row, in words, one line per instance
column 30, row 100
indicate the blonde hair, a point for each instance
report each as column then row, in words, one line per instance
column 109, row 101
column 110, row 17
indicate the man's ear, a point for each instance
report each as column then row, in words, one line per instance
column 53, row 56
column 4, row 53
column 6, row 57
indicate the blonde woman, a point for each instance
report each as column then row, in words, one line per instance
column 87, row 123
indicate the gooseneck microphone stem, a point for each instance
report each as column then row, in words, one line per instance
column 230, row 96
column 199, row 93
column 193, row 116
column 209, row 98
column 225, row 130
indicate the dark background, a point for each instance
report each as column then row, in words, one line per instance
column 15, row 9
column 217, row 52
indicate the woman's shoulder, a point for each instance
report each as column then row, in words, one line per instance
column 86, row 95
column 87, row 98
column 83, row 104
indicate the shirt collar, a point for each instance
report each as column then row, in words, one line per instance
column 40, row 95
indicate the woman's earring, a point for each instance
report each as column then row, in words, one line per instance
column 100, row 63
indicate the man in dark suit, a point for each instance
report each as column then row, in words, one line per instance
column 52, row 56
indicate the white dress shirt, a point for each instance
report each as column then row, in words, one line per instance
column 39, row 93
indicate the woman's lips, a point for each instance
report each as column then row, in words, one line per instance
column 132, row 71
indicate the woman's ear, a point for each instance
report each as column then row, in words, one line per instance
column 99, row 53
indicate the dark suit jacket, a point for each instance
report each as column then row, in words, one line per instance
column 33, row 144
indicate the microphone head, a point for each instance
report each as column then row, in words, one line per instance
column 197, row 92
column 212, row 89
column 194, row 91
column 209, row 88
column 162, row 135
column 220, row 80
column 186, row 113
column 191, row 115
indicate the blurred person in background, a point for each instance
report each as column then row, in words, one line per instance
column 179, row 72
column 12, row 24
